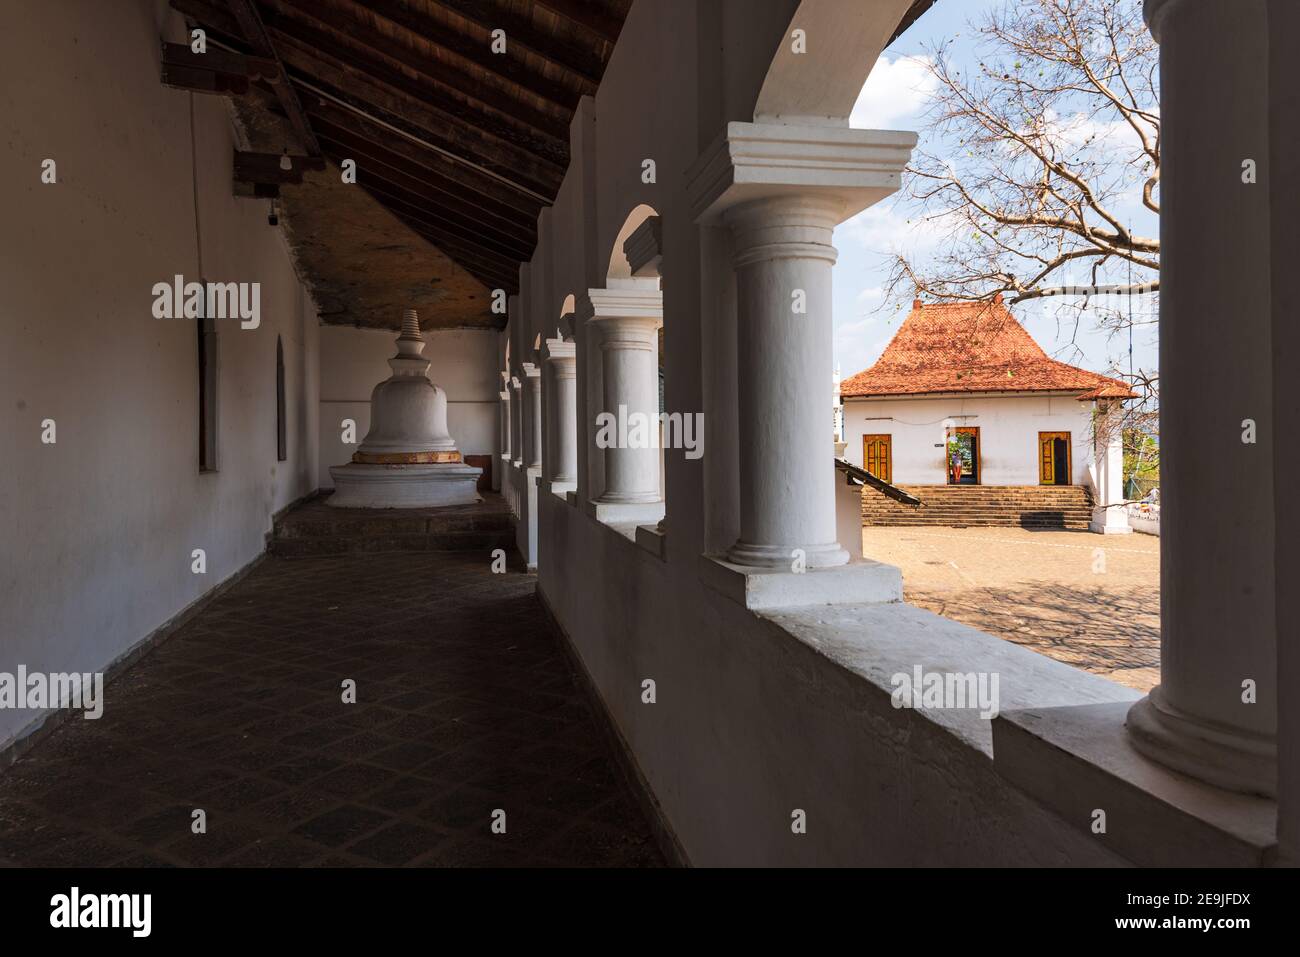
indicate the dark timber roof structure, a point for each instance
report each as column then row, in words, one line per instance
column 457, row 147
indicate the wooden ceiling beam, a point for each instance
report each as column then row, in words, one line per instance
column 491, row 145
column 439, row 209
column 467, row 233
column 587, row 15
column 501, row 160
column 216, row 71
column 475, row 52
column 254, row 31
column 344, row 126
column 552, row 127
column 210, row 15
column 492, row 272
column 372, row 159
column 583, row 65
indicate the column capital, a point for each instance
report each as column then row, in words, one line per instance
column 1152, row 11
column 503, row 396
column 622, row 299
column 531, row 370
column 561, row 353
column 644, row 248
column 851, row 168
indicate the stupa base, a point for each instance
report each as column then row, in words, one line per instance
column 404, row 486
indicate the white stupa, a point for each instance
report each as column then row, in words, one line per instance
column 407, row 459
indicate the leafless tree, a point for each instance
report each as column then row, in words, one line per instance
column 1027, row 159
column 1033, row 151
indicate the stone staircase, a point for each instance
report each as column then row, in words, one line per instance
column 314, row 528
column 960, row 506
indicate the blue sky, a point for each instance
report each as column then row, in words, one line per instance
column 895, row 97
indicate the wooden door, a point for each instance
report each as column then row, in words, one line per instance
column 878, row 456
column 1054, row 458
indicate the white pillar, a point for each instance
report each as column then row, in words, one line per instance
column 783, row 273
column 516, row 421
column 1214, row 714
column 782, row 189
column 624, row 320
column 503, row 438
column 562, row 453
column 1109, row 516
column 505, row 424
column 533, row 416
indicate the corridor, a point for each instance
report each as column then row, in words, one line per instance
column 465, row 704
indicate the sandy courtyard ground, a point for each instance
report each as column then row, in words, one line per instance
column 1092, row 601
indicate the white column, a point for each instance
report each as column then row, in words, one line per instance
column 783, row 273
column 562, row 453
column 533, row 416
column 782, row 189
column 624, row 320
column 1214, row 714
column 1109, row 516
column 516, row 421
column 504, row 396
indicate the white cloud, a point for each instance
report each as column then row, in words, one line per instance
column 886, row 228
column 895, row 94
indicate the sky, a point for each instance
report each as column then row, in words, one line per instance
column 895, row 96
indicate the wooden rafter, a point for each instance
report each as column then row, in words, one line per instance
column 255, row 33
column 400, row 104
column 495, row 132
column 552, row 127
column 216, row 71
column 581, row 64
column 476, row 54
column 463, row 145
column 589, row 16
column 371, row 157
column 343, row 125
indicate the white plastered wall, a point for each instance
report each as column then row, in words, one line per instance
column 98, row 528
column 1009, row 427
column 749, row 723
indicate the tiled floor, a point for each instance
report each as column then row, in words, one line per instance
column 465, row 705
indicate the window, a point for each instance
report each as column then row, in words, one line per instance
column 207, row 340
column 281, row 445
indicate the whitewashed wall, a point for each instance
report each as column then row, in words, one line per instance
column 1009, row 427
column 353, row 361
column 750, row 720
column 98, row 528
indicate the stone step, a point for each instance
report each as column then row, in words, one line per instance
column 469, row 541
column 959, row 506
column 317, row 528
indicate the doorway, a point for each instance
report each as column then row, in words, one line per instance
column 878, row 456
column 962, row 463
column 1054, row 458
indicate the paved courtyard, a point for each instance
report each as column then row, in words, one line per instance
column 465, row 704
column 1088, row 600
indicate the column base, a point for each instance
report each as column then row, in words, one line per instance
column 1225, row 757
column 627, row 513
column 763, row 589
column 787, row 556
column 1109, row 521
